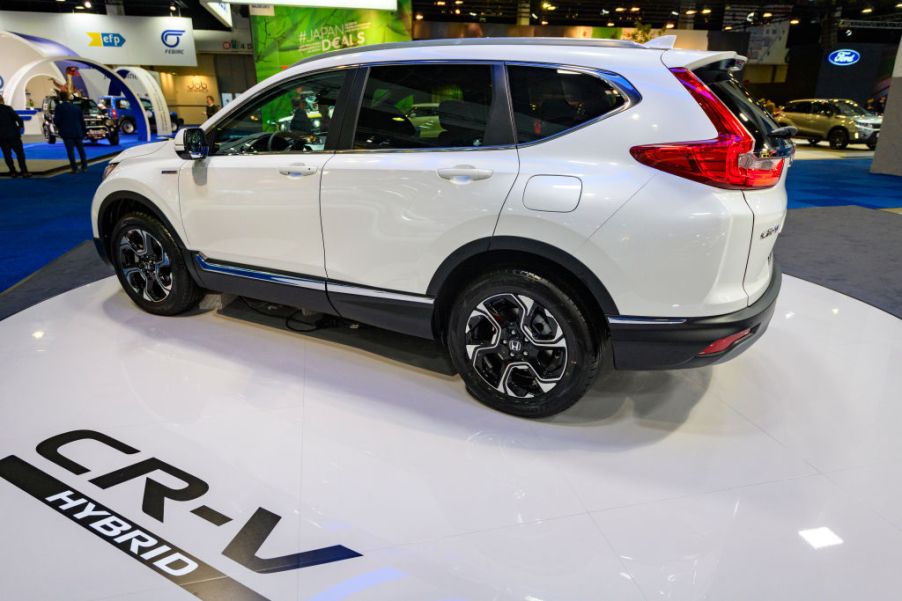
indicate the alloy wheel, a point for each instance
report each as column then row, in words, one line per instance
column 145, row 265
column 516, row 345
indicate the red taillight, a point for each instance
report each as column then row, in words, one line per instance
column 722, row 344
column 114, row 113
column 727, row 161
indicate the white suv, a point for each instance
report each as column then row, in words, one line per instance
column 575, row 204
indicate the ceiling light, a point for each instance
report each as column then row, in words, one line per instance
column 534, row 16
column 619, row 9
column 604, row 11
column 691, row 11
column 79, row 8
column 675, row 13
column 419, row 17
column 728, row 28
column 767, row 15
column 440, row 2
column 668, row 26
column 867, row 11
column 899, row 5
column 472, row 14
column 544, row 22
column 172, row 8
column 634, row 9
column 610, row 23
column 87, row 3
column 706, row 11
column 60, row 0
column 793, row 21
column 456, row 11
column 458, row 1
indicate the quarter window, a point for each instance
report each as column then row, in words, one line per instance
column 296, row 117
column 425, row 106
column 548, row 101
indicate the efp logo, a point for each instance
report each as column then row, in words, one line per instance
column 843, row 57
column 172, row 37
column 107, row 40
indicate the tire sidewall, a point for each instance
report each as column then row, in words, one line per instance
column 582, row 356
column 184, row 292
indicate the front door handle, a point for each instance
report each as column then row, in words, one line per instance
column 464, row 173
column 297, row 170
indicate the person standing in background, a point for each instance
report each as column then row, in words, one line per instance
column 70, row 126
column 11, row 126
column 212, row 107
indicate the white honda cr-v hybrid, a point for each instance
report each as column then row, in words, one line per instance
column 573, row 204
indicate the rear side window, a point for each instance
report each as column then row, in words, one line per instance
column 731, row 92
column 548, row 101
column 425, row 106
column 798, row 107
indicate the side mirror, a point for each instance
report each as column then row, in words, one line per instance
column 191, row 143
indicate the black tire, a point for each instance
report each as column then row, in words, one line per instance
column 494, row 371
column 839, row 138
column 127, row 126
column 814, row 141
column 51, row 139
column 133, row 269
column 113, row 138
column 872, row 144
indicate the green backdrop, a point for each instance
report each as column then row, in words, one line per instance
column 296, row 33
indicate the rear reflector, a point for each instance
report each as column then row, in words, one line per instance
column 722, row 344
column 727, row 161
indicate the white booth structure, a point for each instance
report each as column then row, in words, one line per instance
column 28, row 66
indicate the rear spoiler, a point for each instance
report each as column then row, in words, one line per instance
column 693, row 59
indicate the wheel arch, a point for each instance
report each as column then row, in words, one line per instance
column 122, row 202
column 485, row 254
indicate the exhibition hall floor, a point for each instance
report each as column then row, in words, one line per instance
column 775, row 476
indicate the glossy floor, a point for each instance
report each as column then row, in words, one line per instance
column 775, row 476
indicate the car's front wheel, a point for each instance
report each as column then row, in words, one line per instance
column 521, row 344
column 150, row 266
column 839, row 138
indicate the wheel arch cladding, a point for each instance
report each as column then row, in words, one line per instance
column 480, row 256
column 121, row 203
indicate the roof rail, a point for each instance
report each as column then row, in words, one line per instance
column 544, row 41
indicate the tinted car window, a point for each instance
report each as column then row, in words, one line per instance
column 798, row 107
column 295, row 117
column 397, row 97
column 548, row 101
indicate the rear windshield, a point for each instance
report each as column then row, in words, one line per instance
column 734, row 95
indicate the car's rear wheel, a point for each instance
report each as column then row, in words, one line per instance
column 839, row 139
column 521, row 344
column 150, row 266
column 127, row 126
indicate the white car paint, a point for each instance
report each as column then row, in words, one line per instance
column 662, row 246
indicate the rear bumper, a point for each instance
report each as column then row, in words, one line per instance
column 662, row 344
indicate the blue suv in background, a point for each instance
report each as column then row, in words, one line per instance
column 120, row 110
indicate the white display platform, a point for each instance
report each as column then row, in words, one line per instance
column 775, row 476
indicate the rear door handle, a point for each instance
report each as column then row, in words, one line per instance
column 297, row 170
column 464, row 173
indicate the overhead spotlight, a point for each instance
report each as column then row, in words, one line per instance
column 899, row 5
column 634, row 9
column 88, row 4
column 439, row 2
column 419, row 17
column 848, row 33
column 728, row 28
column 668, row 26
column 767, row 15
column 866, row 11
column 534, row 16
column 691, row 11
column 793, row 21
column 544, row 22
column 458, row 1
column 610, row 23
column 60, row 0
column 675, row 13
column 706, row 11
column 172, row 8
column 456, row 11
column 619, row 9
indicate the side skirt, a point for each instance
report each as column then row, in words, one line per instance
column 397, row 311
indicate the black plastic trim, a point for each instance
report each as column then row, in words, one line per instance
column 513, row 243
column 405, row 317
column 676, row 346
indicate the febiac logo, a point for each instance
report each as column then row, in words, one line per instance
column 107, row 40
column 844, row 57
column 171, row 38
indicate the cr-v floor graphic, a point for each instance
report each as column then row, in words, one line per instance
column 163, row 557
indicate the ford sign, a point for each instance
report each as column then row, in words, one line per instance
column 844, row 57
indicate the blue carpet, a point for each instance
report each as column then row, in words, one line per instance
column 43, row 150
column 840, row 182
column 43, row 218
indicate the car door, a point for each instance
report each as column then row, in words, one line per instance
column 800, row 115
column 398, row 200
column 254, row 201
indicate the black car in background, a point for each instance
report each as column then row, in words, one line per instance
column 97, row 124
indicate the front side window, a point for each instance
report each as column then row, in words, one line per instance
column 425, row 106
column 548, row 100
column 295, row 117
